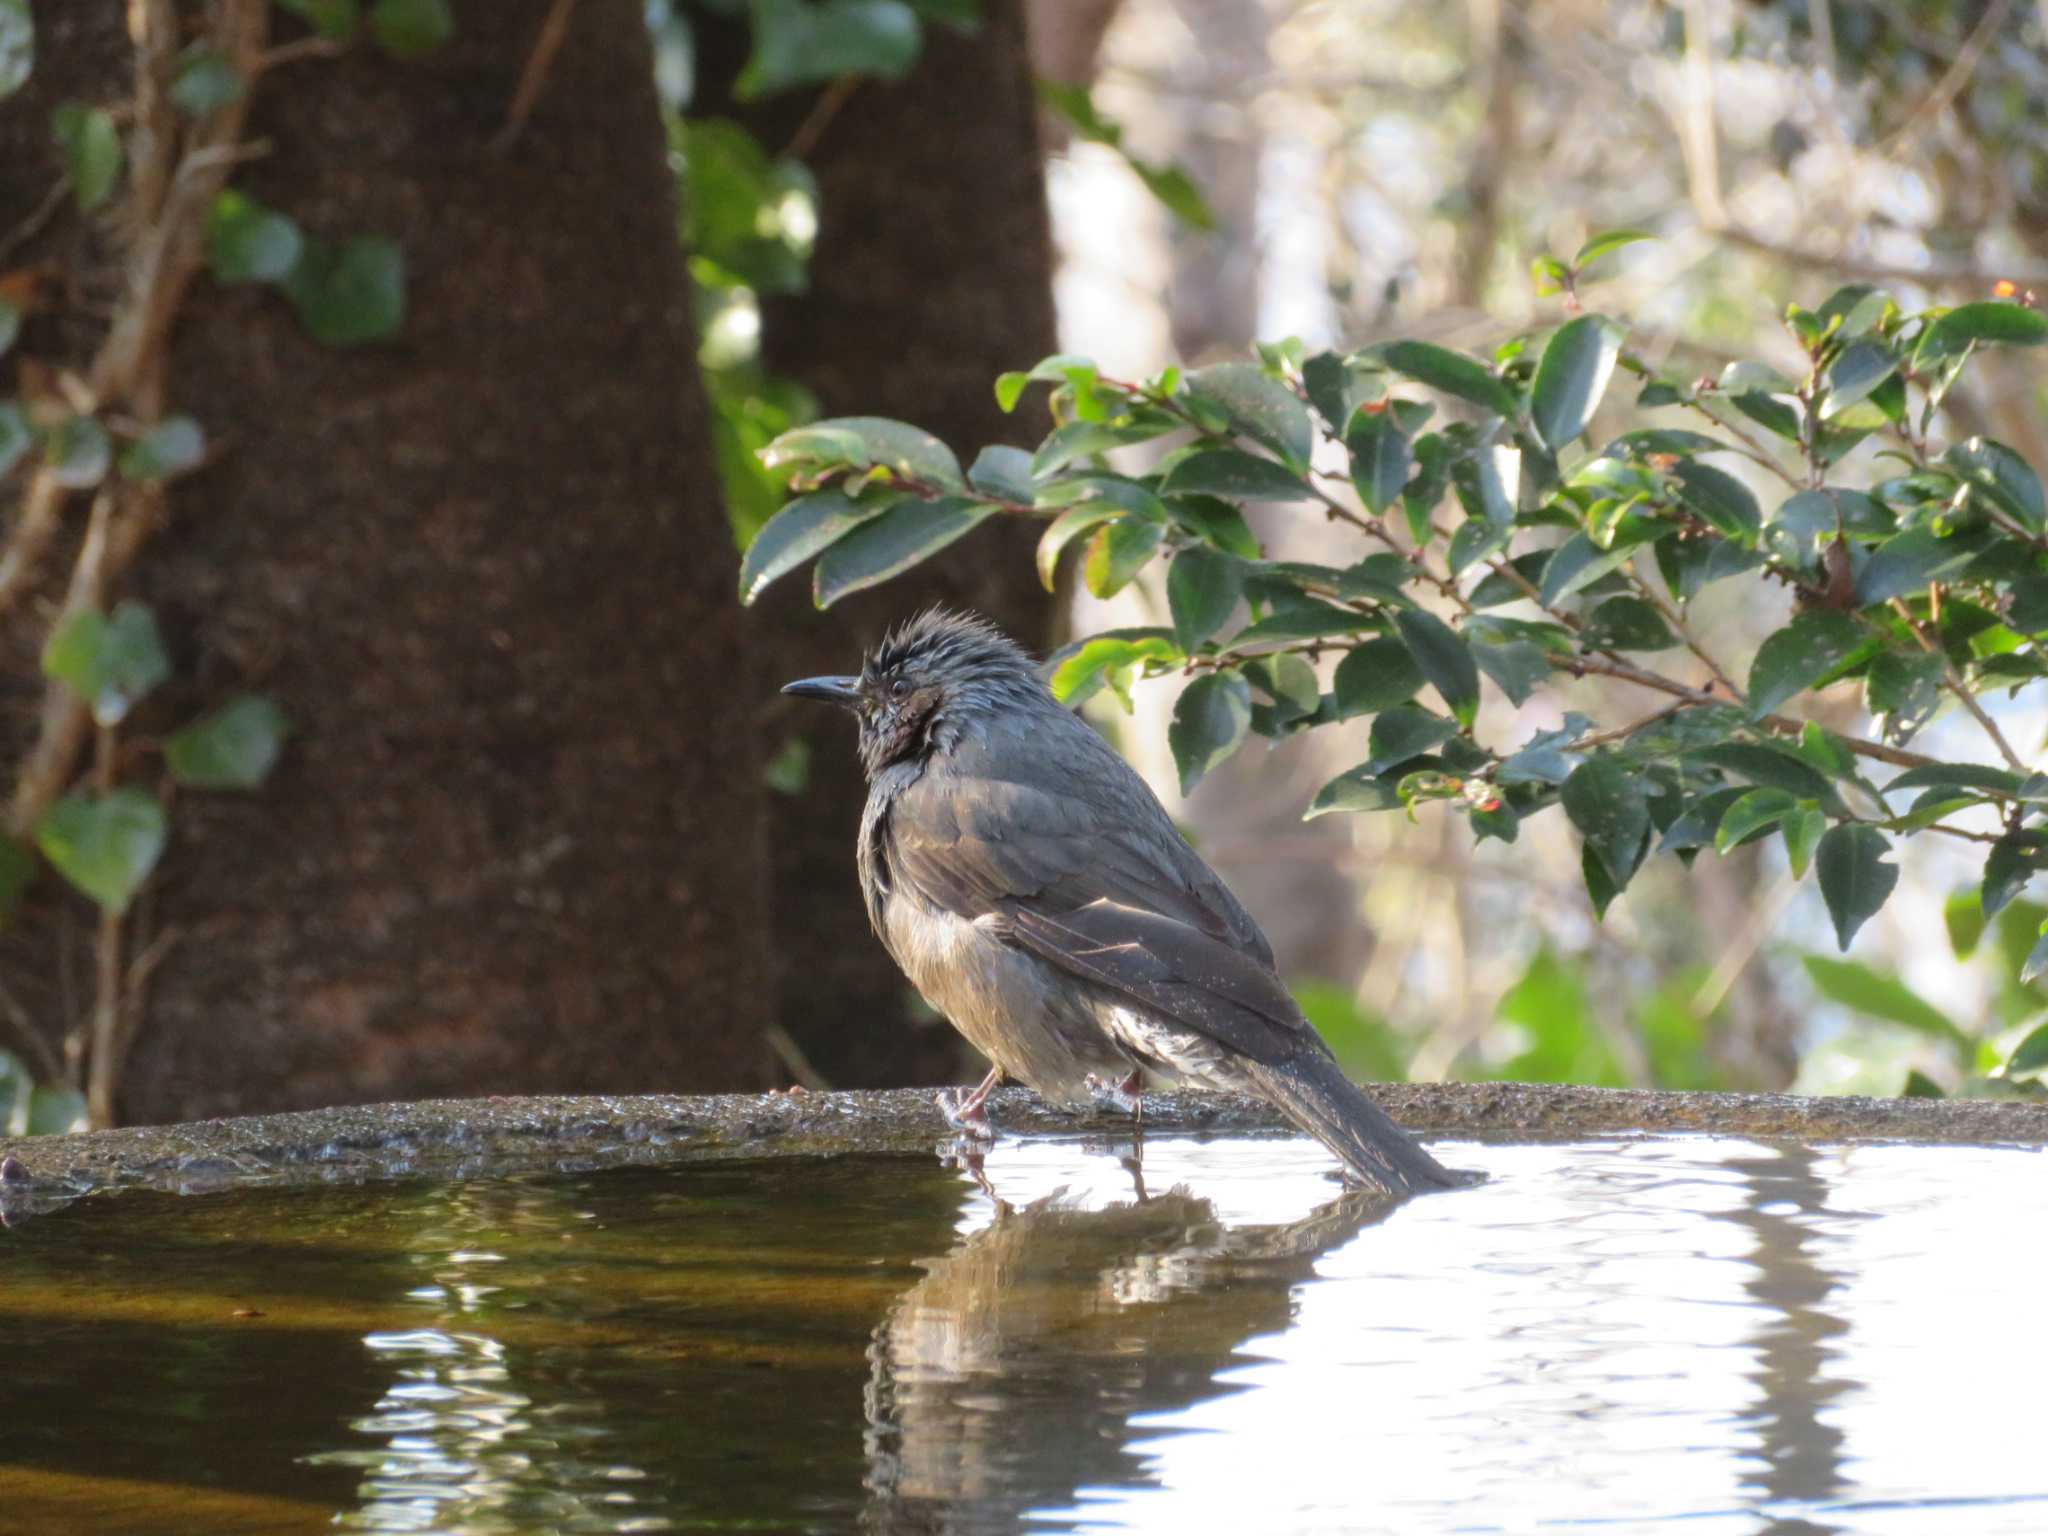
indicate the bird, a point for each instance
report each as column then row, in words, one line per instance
column 1036, row 893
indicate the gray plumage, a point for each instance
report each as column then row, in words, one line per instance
column 1037, row 894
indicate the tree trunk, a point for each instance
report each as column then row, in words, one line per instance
column 514, row 842
column 933, row 273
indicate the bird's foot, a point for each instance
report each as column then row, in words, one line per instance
column 1127, row 1095
column 966, row 1110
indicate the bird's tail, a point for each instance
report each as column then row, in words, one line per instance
column 1313, row 1092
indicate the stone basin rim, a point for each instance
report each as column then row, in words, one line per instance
column 465, row 1138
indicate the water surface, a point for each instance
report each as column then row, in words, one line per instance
column 1683, row 1335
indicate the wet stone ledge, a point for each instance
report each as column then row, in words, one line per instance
column 467, row 1138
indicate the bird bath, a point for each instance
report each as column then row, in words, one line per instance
column 674, row 1315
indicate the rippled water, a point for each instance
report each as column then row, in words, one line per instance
column 1665, row 1336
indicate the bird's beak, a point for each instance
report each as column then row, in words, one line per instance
column 835, row 690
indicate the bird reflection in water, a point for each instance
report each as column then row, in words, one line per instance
column 1016, row 1374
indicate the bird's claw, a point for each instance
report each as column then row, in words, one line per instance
column 966, row 1110
column 1125, row 1095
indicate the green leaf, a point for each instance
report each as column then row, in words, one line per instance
column 1374, row 676
column 205, row 81
column 1606, row 803
column 1357, row 790
column 805, row 527
column 1076, row 672
column 1404, row 733
column 1120, row 549
column 1578, row 562
column 1626, row 623
column 171, row 447
column 1210, row 720
column 335, row 20
column 1488, row 483
column 1903, row 688
column 1062, row 531
column 1855, row 876
column 2036, row 963
column 1861, row 367
column 2014, row 860
column 1004, row 472
column 1202, row 588
column 1259, row 406
column 1518, row 667
column 1306, row 620
column 350, row 294
column 1990, row 321
column 91, row 147
column 79, row 451
column 1803, row 520
column 2003, row 476
column 1956, row 776
column 1801, row 654
column 1175, row 191
column 1768, row 765
column 1379, row 459
column 1451, row 372
column 1290, row 682
column 866, row 442
column 1752, row 813
column 2030, row 1055
column 1610, row 240
column 411, row 29
column 10, row 328
column 1444, row 658
column 17, row 873
column 105, row 846
column 1718, row 499
column 1879, row 995
column 1906, row 563
column 1233, row 473
column 1571, row 378
column 1919, row 1085
column 801, row 43
column 249, row 243
column 16, row 436
column 1803, row 830
column 17, row 46
column 235, row 747
column 903, row 536
column 110, row 662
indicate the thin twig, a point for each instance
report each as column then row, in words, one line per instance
column 812, row 129
column 31, row 534
column 311, row 47
column 1663, row 606
column 1954, row 681
column 38, row 216
column 1953, row 79
column 1867, row 271
column 533, row 79
column 793, row 1059
column 104, row 1028
column 48, row 1068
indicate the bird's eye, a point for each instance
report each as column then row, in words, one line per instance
column 898, row 688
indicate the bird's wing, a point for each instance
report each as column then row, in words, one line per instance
column 1098, row 894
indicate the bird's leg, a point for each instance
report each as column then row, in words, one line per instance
column 1128, row 1095
column 967, row 1111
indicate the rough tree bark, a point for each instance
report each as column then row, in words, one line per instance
column 515, row 839
column 933, row 273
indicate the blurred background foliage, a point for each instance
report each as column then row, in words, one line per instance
column 1347, row 171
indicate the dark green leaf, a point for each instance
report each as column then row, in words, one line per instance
column 249, row 243
column 798, row 42
column 1444, row 658
column 2036, row 963
column 806, row 527
column 1175, row 191
column 1202, row 587
column 1357, row 790
column 1861, row 367
column 905, row 535
column 1118, row 551
column 1872, row 992
column 235, row 747
column 205, row 81
column 1906, row 563
column 1306, row 620
column 1333, row 388
column 1578, row 562
column 1404, row 733
column 1754, row 812
column 2030, row 1055
column 2014, row 860
column 1374, row 676
column 1290, row 682
column 1919, row 1085
column 1236, row 474
column 1475, row 540
column 79, row 451
column 1956, row 776
column 1488, row 483
column 1855, row 876
column 1005, row 473
column 333, row 19
column 105, row 846
column 1379, row 459
column 91, row 147
column 1451, row 372
column 1625, row 623
column 1259, row 406
column 411, row 29
column 1990, row 321
column 1718, row 499
column 1571, row 378
column 1799, row 526
column 1801, row 654
column 1606, row 803
column 1518, row 667
column 864, row 442
column 1768, row 765
column 350, row 294
column 108, row 661
column 2002, row 475
column 1209, row 723
column 171, row 447
column 1216, row 523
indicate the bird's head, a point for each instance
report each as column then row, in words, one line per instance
column 930, row 677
